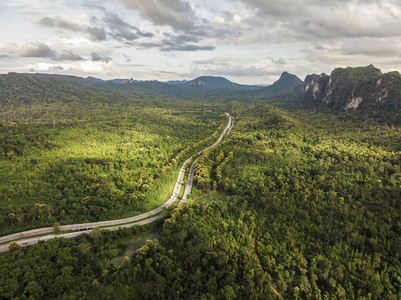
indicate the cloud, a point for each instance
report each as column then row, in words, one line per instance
column 56, row 68
column 37, row 50
column 367, row 49
column 127, row 58
column 11, row 50
column 69, row 55
column 178, row 43
column 187, row 48
column 98, row 34
column 182, row 38
column 291, row 21
column 97, row 57
column 176, row 13
column 274, row 7
column 169, row 46
column 122, row 29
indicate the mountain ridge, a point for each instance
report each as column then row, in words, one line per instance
column 355, row 88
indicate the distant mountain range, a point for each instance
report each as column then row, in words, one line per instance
column 364, row 89
column 203, row 81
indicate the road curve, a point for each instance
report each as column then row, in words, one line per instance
column 35, row 240
column 226, row 132
column 86, row 227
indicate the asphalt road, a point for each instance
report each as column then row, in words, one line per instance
column 32, row 241
column 226, row 132
column 85, row 228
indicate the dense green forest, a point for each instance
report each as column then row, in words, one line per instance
column 308, row 203
column 93, row 159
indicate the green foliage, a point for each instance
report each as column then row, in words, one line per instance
column 376, row 95
column 63, row 268
column 56, row 227
column 311, row 207
column 331, row 194
column 108, row 155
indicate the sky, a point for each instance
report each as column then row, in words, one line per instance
column 246, row 41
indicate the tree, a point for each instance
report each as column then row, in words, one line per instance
column 14, row 246
column 95, row 233
column 56, row 227
column 34, row 290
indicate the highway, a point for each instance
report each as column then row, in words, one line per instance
column 34, row 240
column 85, row 228
column 226, row 132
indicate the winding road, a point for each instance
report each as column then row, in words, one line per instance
column 226, row 132
column 85, row 228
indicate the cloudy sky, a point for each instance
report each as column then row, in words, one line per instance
column 247, row 41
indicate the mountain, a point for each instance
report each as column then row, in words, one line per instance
column 178, row 82
column 85, row 81
column 213, row 82
column 287, row 83
column 362, row 88
column 284, row 92
column 217, row 82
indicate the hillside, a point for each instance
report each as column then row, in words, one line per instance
column 287, row 83
column 217, row 82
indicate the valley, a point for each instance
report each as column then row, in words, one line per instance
column 312, row 187
column 122, row 223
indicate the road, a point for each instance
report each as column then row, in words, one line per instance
column 85, row 228
column 226, row 132
column 34, row 240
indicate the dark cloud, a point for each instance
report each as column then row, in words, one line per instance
column 98, row 34
column 176, row 13
column 69, row 55
column 4, row 56
column 97, row 57
column 279, row 61
column 169, row 46
column 37, row 50
column 177, row 43
column 127, row 58
column 273, row 7
column 119, row 29
column 187, row 48
column 56, row 68
column 181, row 39
column 122, row 29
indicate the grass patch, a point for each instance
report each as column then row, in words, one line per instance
column 212, row 196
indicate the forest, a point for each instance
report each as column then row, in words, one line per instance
column 299, row 202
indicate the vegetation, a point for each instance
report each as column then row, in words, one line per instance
column 328, row 201
column 374, row 95
column 307, row 205
column 94, row 162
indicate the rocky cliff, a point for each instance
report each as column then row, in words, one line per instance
column 355, row 88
